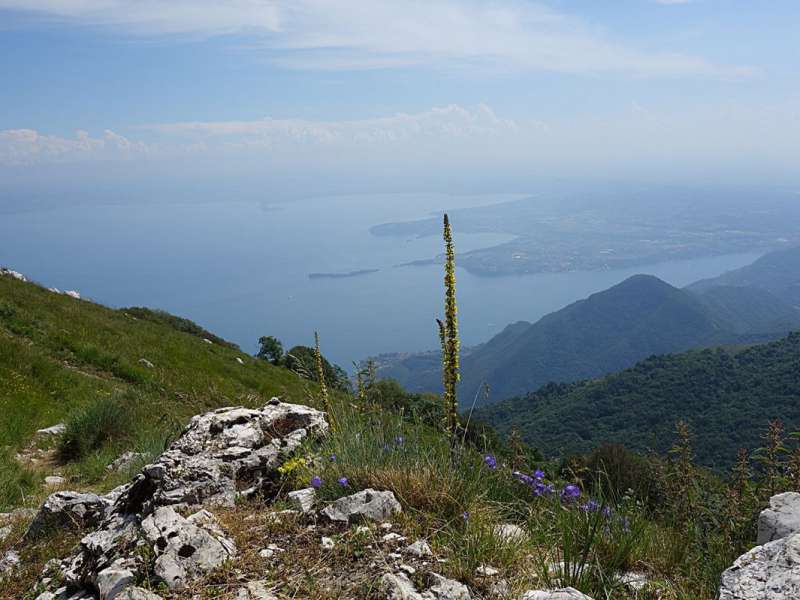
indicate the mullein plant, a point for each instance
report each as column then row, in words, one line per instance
column 448, row 337
column 323, row 388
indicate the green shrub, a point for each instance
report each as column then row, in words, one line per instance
column 102, row 420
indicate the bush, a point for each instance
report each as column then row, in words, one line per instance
column 89, row 428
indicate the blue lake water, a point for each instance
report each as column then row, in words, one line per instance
column 241, row 269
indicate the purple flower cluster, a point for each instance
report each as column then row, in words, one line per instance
column 491, row 462
column 570, row 493
column 316, row 482
column 535, row 482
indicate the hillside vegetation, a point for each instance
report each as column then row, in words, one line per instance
column 61, row 357
column 727, row 396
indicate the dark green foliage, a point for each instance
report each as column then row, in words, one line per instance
column 270, row 349
column 102, row 420
column 178, row 323
column 302, row 360
column 614, row 471
column 726, row 395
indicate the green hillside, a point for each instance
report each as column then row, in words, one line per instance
column 607, row 332
column 726, row 395
column 59, row 355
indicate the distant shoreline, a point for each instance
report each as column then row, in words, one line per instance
column 357, row 273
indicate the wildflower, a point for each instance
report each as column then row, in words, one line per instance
column 491, row 462
column 570, row 493
column 607, row 512
column 343, row 481
column 626, row 524
column 542, row 489
column 316, row 481
column 526, row 479
column 538, row 474
column 399, row 440
column 333, row 457
column 465, row 515
column 590, row 506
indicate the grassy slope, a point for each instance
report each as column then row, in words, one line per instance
column 57, row 354
column 727, row 397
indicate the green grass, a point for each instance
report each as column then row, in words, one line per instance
column 59, row 356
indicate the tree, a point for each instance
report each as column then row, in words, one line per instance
column 271, row 349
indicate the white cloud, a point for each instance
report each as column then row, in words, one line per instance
column 28, row 146
column 358, row 34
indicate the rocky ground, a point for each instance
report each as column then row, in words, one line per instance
column 209, row 519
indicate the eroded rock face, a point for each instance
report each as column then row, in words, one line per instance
column 185, row 548
column 560, row 594
column 222, row 455
column 767, row 572
column 71, row 510
column 782, row 518
column 364, row 505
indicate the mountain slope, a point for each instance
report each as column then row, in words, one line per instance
column 727, row 395
column 777, row 272
column 59, row 354
column 604, row 333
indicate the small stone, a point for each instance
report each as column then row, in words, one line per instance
column 508, row 532
column 393, row 537
column 267, row 553
column 73, row 294
column 362, row 530
column 446, row 589
column 420, row 549
column 398, row 587
column 634, row 581
column 367, row 504
column 54, row 430
column 567, row 593
column 407, row 569
column 386, row 526
column 137, row 593
column 239, row 360
column 255, row 590
column 327, row 543
column 8, row 563
column 146, row 363
column 303, row 500
column 395, row 556
column 126, row 461
column 54, row 481
column 207, row 341
column 486, row 571
column 275, row 548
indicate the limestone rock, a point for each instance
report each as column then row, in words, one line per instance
column 222, row 447
column 8, row 563
column 398, row 586
column 255, row 590
column 11, row 273
column 137, row 593
column 768, row 572
column 111, row 582
column 126, row 460
column 71, row 510
column 367, row 504
column 560, row 594
column 780, row 519
column 185, row 548
column 146, row 363
column 441, row 588
column 303, row 500
column 54, row 430
column 508, row 532
column 420, row 549
column 327, row 543
column 73, row 294
column 221, row 456
column 54, row 481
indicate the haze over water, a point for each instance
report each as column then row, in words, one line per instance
column 241, row 269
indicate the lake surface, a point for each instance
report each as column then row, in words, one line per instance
column 241, row 269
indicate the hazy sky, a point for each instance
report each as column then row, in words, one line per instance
column 399, row 91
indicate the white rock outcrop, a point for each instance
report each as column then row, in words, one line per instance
column 367, row 504
column 782, row 518
column 221, row 456
column 767, row 572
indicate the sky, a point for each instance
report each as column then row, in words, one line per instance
column 340, row 95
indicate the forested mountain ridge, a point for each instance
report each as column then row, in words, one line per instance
column 601, row 334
